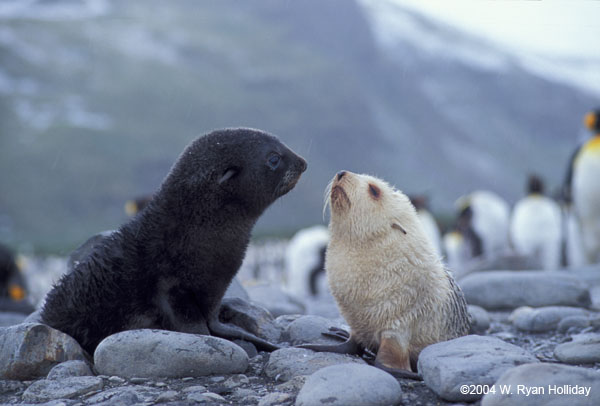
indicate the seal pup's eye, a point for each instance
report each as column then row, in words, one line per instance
column 273, row 161
column 374, row 191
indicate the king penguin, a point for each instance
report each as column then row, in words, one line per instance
column 535, row 226
column 488, row 216
column 583, row 183
column 430, row 226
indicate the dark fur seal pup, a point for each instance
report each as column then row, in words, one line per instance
column 169, row 266
column 387, row 279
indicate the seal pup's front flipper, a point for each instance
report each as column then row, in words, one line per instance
column 393, row 356
column 231, row 332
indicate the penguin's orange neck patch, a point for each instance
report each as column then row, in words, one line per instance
column 16, row 292
column 593, row 145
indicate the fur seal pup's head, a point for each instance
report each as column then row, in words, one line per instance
column 363, row 206
column 240, row 167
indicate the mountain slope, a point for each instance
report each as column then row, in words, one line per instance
column 98, row 97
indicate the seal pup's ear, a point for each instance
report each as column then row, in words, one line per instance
column 399, row 227
column 228, row 174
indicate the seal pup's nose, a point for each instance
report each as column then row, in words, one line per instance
column 340, row 175
column 303, row 164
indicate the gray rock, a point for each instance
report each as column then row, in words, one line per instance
column 508, row 289
column 547, row 377
column 584, row 349
column 243, row 393
column 160, row 353
column 589, row 274
column 235, row 381
column 286, row 363
column 35, row 318
column 247, row 346
column 509, row 262
column 119, row 380
column 309, row 329
column 45, row 390
column 293, row 385
column 124, row 396
column 469, row 360
column 137, row 380
column 285, row 320
column 205, row 397
column 168, row 396
column 29, row 351
column 480, row 319
column 275, row 300
column 8, row 319
column 544, row 318
column 350, row 384
column 573, row 323
column 274, row 399
column 195, row 388
column 69, row 369
column 251, row 317
column 7, row 387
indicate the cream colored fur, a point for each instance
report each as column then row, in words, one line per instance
column 382, row 279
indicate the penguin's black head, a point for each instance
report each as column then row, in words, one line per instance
column 239, row 168
column 535, row 185
column 592, row 121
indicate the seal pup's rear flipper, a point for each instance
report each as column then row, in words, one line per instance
column 231, row 332
column 349, row 345
column 393, row 356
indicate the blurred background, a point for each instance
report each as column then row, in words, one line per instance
column 99, row 97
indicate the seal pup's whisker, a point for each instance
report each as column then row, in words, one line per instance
column 327, row 198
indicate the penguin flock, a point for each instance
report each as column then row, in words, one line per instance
column 551, row 233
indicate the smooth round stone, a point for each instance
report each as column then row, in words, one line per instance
column 68, row 388
column 29, row 351
column 286, row 363
column 480, row 319
column 350, row 384
column 309, row 329
column 468, row 360
column 69, row 369
column 571, row 323
column 545, row 384
column 584, row 349
column 168, row 354
column 497, row 290
column 544, row 318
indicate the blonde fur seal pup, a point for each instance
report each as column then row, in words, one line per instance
column 389, row 283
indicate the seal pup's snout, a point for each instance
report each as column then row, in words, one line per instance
column 296, row 167
column 302, row 165
column 338, row 196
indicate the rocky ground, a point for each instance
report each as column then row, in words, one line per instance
column 531, row 328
